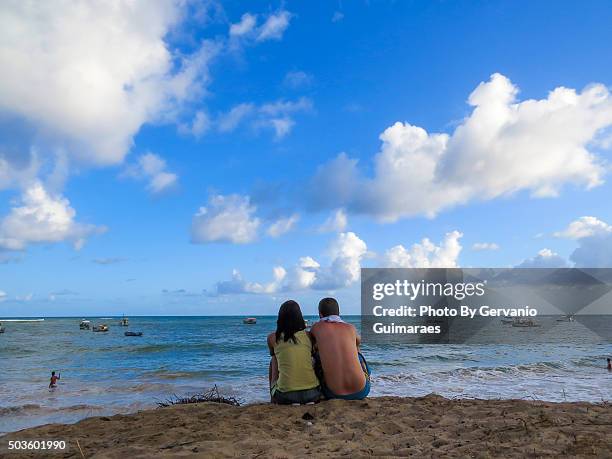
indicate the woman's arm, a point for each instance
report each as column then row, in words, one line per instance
column 313, row 342
column 271, row 343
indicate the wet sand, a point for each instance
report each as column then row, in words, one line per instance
column 429, row 426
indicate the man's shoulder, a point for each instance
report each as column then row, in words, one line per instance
column 332, row 325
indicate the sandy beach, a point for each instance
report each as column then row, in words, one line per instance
column 430, row 426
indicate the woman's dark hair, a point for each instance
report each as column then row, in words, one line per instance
column 290, row 321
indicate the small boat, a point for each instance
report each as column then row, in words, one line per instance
column 567, row 318
column 130, row 333
column 100, row 328
column 1, row 328
column 124, row 322
column 525, row 323
column 85, row 324
column 249, row 321
column 507, row 321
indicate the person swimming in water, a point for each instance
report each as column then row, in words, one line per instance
column 609, row 364
column 54, row 379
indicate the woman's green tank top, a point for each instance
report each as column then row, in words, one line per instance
column 295, row 370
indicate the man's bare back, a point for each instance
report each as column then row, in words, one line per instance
column 337, row 345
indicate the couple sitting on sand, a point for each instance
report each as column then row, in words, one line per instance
column 324, row 361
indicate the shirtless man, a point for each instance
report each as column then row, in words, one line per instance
column 345, row 372
column 53, row 380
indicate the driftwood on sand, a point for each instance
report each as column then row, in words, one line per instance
column 212, row 395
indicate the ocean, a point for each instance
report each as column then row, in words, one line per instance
column 108, row 373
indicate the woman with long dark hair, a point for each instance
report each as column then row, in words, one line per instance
column 292, row 376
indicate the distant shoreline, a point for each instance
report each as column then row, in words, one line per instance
column 118, row 316
column 386, row 426
column 21, row 320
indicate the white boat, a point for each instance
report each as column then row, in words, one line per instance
column 249, row 321
column 85, row 324
column 124, row 322
column 100, row 328
column 567, row 318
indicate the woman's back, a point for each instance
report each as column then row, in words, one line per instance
column 295, row 370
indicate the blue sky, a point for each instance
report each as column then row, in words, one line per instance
column 166, row 158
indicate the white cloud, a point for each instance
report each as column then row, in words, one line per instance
column 64, row 292
column 345, row 253
column 281, row 126
column 425, row 254
column 152, row 167
column 274, row 27
column 42, row 217
column 17, row 174
column 199, row 125
column 228, row 218
column 545, row 258
column 85, row 79
column 162, row 181
column 303, row 275
column 594, row 238
column 479, row 246
column 238, row 285
column 297, row 79
column 3, row 296
column 24, row 298
column 277, row 116
column 285, row 107
column 282, row 225
column 246, row 25
column 584, row 227
column 335, row 223
column 502, row 147
column 180, row 296
column 594, row 251
column 338, row 16
column 108, row 261
column 230, row 120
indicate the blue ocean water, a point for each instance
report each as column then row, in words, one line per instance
column 107, row 373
